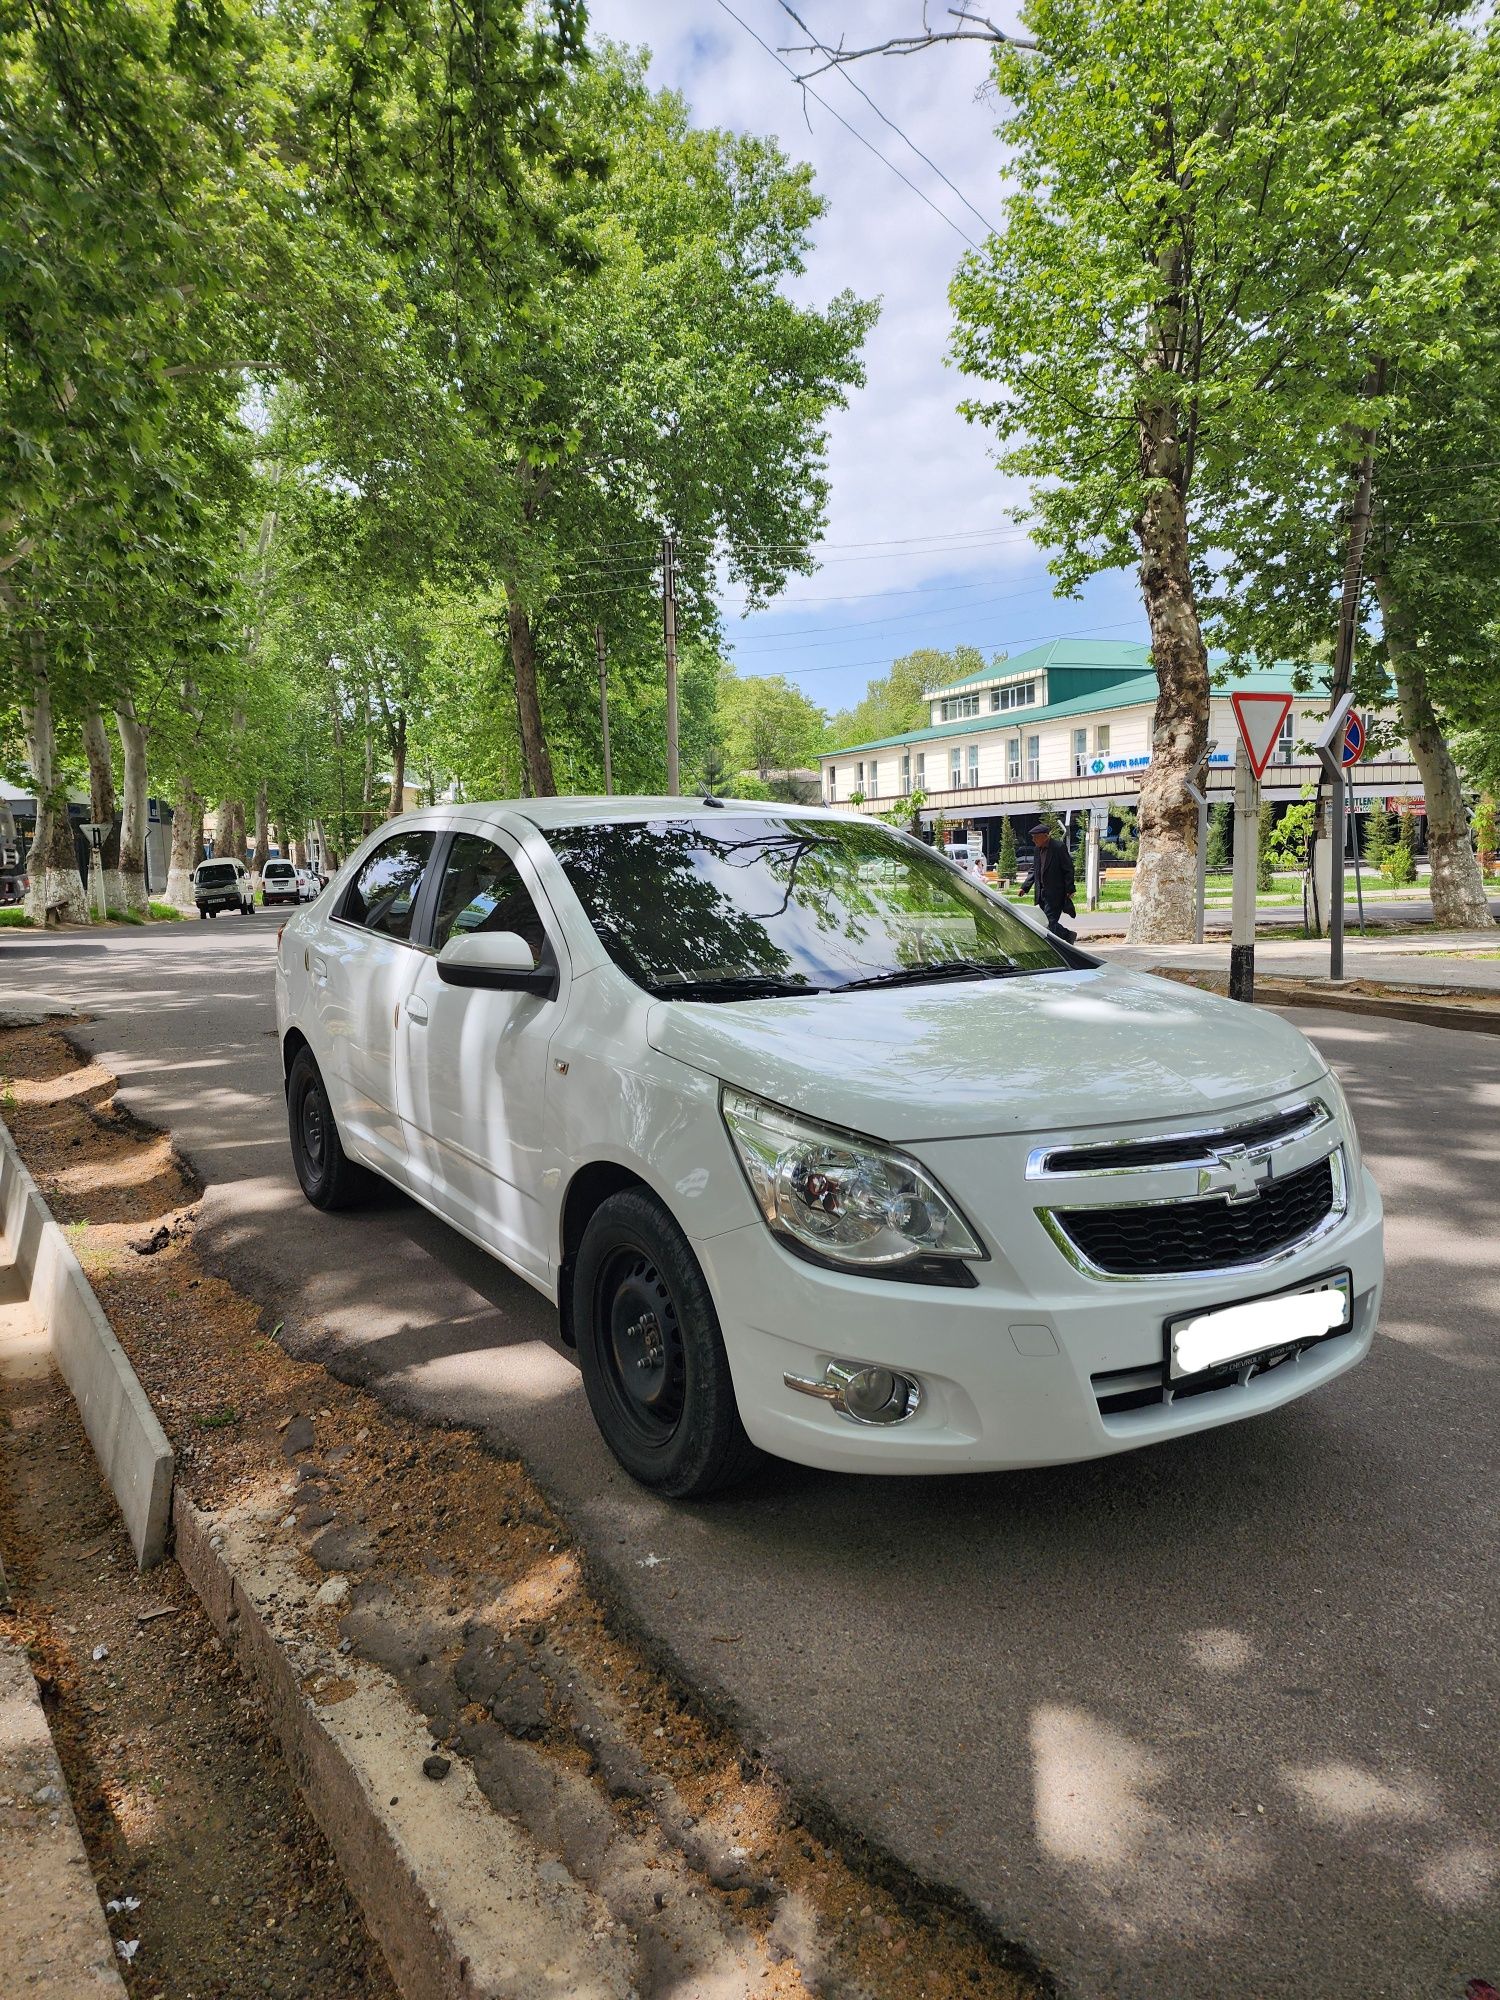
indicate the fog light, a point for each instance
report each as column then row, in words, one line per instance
column 866, row 1395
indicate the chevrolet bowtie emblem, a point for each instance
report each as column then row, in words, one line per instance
column 1234, row 1174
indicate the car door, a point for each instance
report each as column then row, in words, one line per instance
column 474, row 1084
column 361, row 965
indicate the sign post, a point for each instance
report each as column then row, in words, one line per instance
column 1258, row 717
column 96, row 830
column 1246, row 870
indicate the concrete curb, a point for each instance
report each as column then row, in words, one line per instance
column 129, row 1443
column 462, row 1902
column 1432, row 1012
column 1423, row 1005
column 57, row 1943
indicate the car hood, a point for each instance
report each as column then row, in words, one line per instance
column 1034, row 1053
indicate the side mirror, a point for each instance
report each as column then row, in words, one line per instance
column 500, row 960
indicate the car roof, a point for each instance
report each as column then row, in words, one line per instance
column 585, row 810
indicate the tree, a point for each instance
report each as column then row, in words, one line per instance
column 1377, row 842
column 679, row 387
column 1195, row 185
column 1400, row 864
column 1265, row 860
column 899, row 702
column 1220, row 826
column 769, row 725
column 1006, row 864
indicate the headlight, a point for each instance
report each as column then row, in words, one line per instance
column 850, row 1201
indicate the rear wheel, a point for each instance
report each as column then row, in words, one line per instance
column 651, row 1352
column 326, row 1174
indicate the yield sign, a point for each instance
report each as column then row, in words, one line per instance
column 1259, row 718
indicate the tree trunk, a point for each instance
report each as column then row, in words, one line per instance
column 102, row 810
column 397, row 732
column 262, row 852
column 133, row 891
column 56, row 892
column 535, row 759
column 366, row 803
column 1163, row 899
column 187, row 845
column 1458, row 897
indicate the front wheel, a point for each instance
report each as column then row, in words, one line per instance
column 653, row 1360
column 326, row 1174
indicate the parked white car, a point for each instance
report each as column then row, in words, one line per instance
column 819, row 1146
column 309, row 888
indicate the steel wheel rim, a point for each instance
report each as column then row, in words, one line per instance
column 640, row 1345
column 312, row 1129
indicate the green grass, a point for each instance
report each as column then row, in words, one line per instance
column 14, row 914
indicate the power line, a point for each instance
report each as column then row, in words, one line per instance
column 853, row 130
column 983, row 220
column 898, row 618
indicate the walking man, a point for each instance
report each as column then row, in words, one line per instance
column 1051, row 880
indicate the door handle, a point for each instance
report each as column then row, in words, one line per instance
column 416, row 1007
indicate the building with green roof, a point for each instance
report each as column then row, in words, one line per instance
column 1069, row 723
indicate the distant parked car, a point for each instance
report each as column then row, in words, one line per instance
column 222, row 885
column 279, row 884
column 309, row 886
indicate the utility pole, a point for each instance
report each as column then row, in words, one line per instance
column 669, row 626
column 609, row 781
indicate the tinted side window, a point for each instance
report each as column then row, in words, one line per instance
column 384, row 893
column 481, row 891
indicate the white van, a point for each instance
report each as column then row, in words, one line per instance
column 222, row 884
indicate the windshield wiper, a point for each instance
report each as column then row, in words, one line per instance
column 733, row 986
column 942, row 968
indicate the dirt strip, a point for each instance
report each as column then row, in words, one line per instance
column 429, row 1557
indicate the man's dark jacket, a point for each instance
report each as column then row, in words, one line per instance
column 1052, row 878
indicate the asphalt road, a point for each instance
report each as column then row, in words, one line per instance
column 1214, row 1719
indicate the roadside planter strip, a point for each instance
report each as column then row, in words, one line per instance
column 129, row 1443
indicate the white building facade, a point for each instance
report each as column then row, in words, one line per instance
column 1069, row 724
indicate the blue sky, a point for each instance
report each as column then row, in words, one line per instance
column 920, row 549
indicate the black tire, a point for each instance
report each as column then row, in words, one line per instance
column 203, row 916
column 652, row 1355
column 325, row 1173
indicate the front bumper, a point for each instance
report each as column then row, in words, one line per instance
column 1007, row 1369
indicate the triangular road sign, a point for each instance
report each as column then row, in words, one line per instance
column 1259, row 718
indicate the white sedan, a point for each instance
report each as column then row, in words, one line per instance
column 820, row 1148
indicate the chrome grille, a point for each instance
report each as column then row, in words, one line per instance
column 1150, row 1238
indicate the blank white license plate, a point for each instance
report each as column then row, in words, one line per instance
column 1243, row 1332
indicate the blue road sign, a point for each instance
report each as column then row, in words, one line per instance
column 1353, row 746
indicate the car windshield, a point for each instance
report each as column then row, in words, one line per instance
column 743, row 906
column 278, row 868
column 216, row 871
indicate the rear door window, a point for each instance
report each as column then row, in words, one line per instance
column 383, row 895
